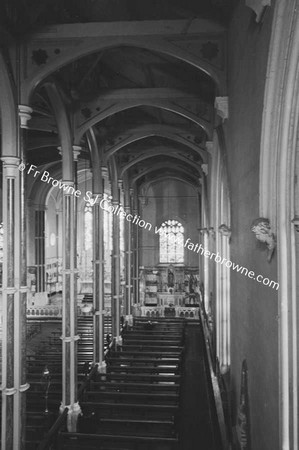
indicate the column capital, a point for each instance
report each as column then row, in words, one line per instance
column 225, row 230
column 36, row 206
column 258, row 6
column 104, row 171
column 68, row 182
column 24, row 114
column 205, row 168
column 143, row 200
column 295, row 221
column 209, row 147
column 221, row 105
column 77, row 149
column 207, row 231
column 97, row 197
column 10, row 161
column 120, row 184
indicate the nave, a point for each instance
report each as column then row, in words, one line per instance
column 156, row 392
column 149, row 172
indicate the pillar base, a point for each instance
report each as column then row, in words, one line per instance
column 102, row 367
column 224, row 369
column 119, row 341
column 129, row 320
column 72, row 417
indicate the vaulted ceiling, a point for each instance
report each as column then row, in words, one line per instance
column 150, row 110
column 19, row 17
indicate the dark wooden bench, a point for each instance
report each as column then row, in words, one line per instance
column 169, row 398
column 136, row 354
column 152, row 337
column 133, row 387
column 138, row 377
column 130, row 410
column 143, row 369
column 153, row 332
column 137, row 427
column 147, row 347
column 79, row 441
column 135, row 361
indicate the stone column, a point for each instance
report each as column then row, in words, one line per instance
column 135, row 260
column 69, row 304
column 115, row 303
column 14, row 383
column 41, row 296
column 128, row 263
column 98, row 284
column 205, row 243
column 21, row 319
column 224, row 351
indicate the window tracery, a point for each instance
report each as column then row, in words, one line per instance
column 171, row 242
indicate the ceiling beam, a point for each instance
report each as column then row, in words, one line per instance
column 177, row 134
column 158, row 152
column 131, row 28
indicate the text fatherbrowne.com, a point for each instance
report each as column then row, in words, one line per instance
column 198, row 248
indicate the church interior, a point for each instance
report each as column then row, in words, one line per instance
column 149, row 224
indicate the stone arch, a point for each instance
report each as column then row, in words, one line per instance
column 90, row 46
column 277, row 179
column 161, row 151
column 132, row 103
column 169, row 177
column 165, row 165
column 143, row 132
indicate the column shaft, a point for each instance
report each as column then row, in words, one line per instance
column 128, row 264
column 98, row 282
column 135, row 268
column 40, row 250
column 115, row 304
column 14, row 307
column 21, row 319
column 69, row 312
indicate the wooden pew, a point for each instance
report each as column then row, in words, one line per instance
column 144, row 398
column 79, row 441
column 135, row 405
column 133, row 387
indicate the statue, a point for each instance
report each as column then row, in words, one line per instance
column 170, row 279
column 191, row 284
column 224, row 230
column 262, row 230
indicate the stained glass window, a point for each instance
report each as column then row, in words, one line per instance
column 171, row 242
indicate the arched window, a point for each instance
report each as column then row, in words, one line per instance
column 171, row 242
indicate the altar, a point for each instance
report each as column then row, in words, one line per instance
column 170, row 299
column 187, row 312
column 168, row 292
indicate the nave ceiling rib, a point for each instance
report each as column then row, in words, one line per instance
column 132, row 96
